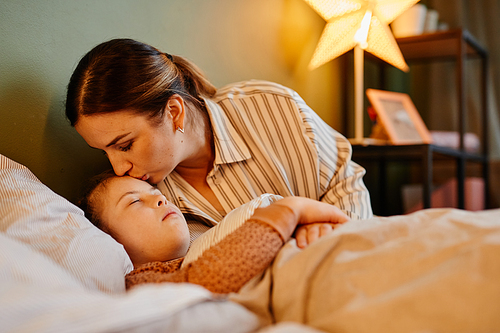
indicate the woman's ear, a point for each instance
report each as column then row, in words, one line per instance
column 176, row 108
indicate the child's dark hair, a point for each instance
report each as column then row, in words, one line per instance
column 89, row 202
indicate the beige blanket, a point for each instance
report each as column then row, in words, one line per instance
column 435, row 270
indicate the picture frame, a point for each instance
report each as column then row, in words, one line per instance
column 399, row 117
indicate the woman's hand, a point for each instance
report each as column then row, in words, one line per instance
column 317, row 220
column 308, row 233
column 305, row 234
column 314, row 219
column 310, row 219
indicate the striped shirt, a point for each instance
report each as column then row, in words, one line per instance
column 267, row 140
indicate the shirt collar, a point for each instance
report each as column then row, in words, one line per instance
column 229, row 146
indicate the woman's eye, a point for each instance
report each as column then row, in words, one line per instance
column 126, row 147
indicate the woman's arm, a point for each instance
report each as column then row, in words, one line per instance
column 227, row 266
column 341, row 179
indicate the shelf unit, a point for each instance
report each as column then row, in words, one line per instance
column 453, row 45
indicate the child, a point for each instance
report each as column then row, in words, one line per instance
column 155, row 235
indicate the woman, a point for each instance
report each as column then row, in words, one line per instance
column 209, row 151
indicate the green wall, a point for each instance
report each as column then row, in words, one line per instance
column 231, row 40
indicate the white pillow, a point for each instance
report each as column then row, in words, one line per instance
column 37, row 295
column 229, row 224
column 33, row 214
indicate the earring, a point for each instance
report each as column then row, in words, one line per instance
column 180, row 129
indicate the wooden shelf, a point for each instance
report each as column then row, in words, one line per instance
column 454, row 45
column 425, row 155
column 412, row 152
column 444, row 45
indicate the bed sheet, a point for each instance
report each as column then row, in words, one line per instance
column 436, row 270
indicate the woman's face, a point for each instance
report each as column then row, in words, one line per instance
column 134, row 144
column 143, row 221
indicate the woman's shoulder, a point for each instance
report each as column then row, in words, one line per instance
column 252, row 87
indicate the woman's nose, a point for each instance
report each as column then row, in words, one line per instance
column 120, row 166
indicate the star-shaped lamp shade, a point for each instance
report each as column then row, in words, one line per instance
column 362, row 25
column 344, row 20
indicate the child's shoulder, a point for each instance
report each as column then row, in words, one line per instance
column 229, row 224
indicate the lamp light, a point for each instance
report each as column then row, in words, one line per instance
column 364, row 26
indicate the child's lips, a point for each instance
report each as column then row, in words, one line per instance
column 169, row 213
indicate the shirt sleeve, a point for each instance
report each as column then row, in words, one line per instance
column 341, row 179
column 223, row 268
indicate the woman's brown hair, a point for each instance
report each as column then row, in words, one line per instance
column 126, row 74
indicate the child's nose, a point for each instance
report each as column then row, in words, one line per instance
column 161, row 200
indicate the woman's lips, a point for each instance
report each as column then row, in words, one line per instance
column 145, row 177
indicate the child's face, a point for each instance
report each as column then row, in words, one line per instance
column 143, row 221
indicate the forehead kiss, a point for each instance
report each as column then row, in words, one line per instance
column 133, row 144
column 124, row 191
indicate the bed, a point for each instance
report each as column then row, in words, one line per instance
column 435, row 270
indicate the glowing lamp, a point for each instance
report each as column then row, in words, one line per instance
column 364, row 26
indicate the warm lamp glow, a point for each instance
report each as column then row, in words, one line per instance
column 348, row 26
column 364, row 26
column 361, row 36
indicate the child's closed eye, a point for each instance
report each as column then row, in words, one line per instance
column 134, row 201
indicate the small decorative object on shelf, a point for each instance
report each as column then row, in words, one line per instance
column 411, row 22
column 451, row 139
column 398, row 117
